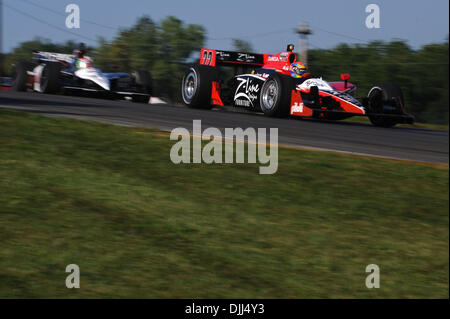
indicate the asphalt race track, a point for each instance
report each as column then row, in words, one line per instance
column 412, row 144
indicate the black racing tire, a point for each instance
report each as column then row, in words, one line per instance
column 20, row 76
column 196, row 86
column 50, row 78
column 275, row 96
column 143, row 81
column 379, row 94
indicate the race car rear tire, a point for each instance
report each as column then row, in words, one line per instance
column 144, row 84
column 379, row 94
column 196, row 86
column 275, row 96
column 50, row 78
column 20, row 76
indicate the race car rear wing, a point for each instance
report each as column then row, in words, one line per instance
column 42, row 56
column 217, row 57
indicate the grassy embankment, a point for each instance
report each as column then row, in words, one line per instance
column 109, row 199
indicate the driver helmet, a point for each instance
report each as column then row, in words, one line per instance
column 298, row 70
column 81, row 51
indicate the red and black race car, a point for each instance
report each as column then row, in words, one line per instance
column 279, row 86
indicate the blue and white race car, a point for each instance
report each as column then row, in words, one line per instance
column 57, row 73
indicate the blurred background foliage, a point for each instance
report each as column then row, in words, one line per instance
column 166, row 48
column 162, row 49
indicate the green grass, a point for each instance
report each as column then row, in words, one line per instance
column 109, row 199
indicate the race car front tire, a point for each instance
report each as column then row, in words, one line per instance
column 196, row 86
column 379, row 94
column 275, row 98
column 50, row 78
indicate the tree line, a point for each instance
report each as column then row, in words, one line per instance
column 166, row 48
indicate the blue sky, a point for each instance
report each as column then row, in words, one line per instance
column 267, row 24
